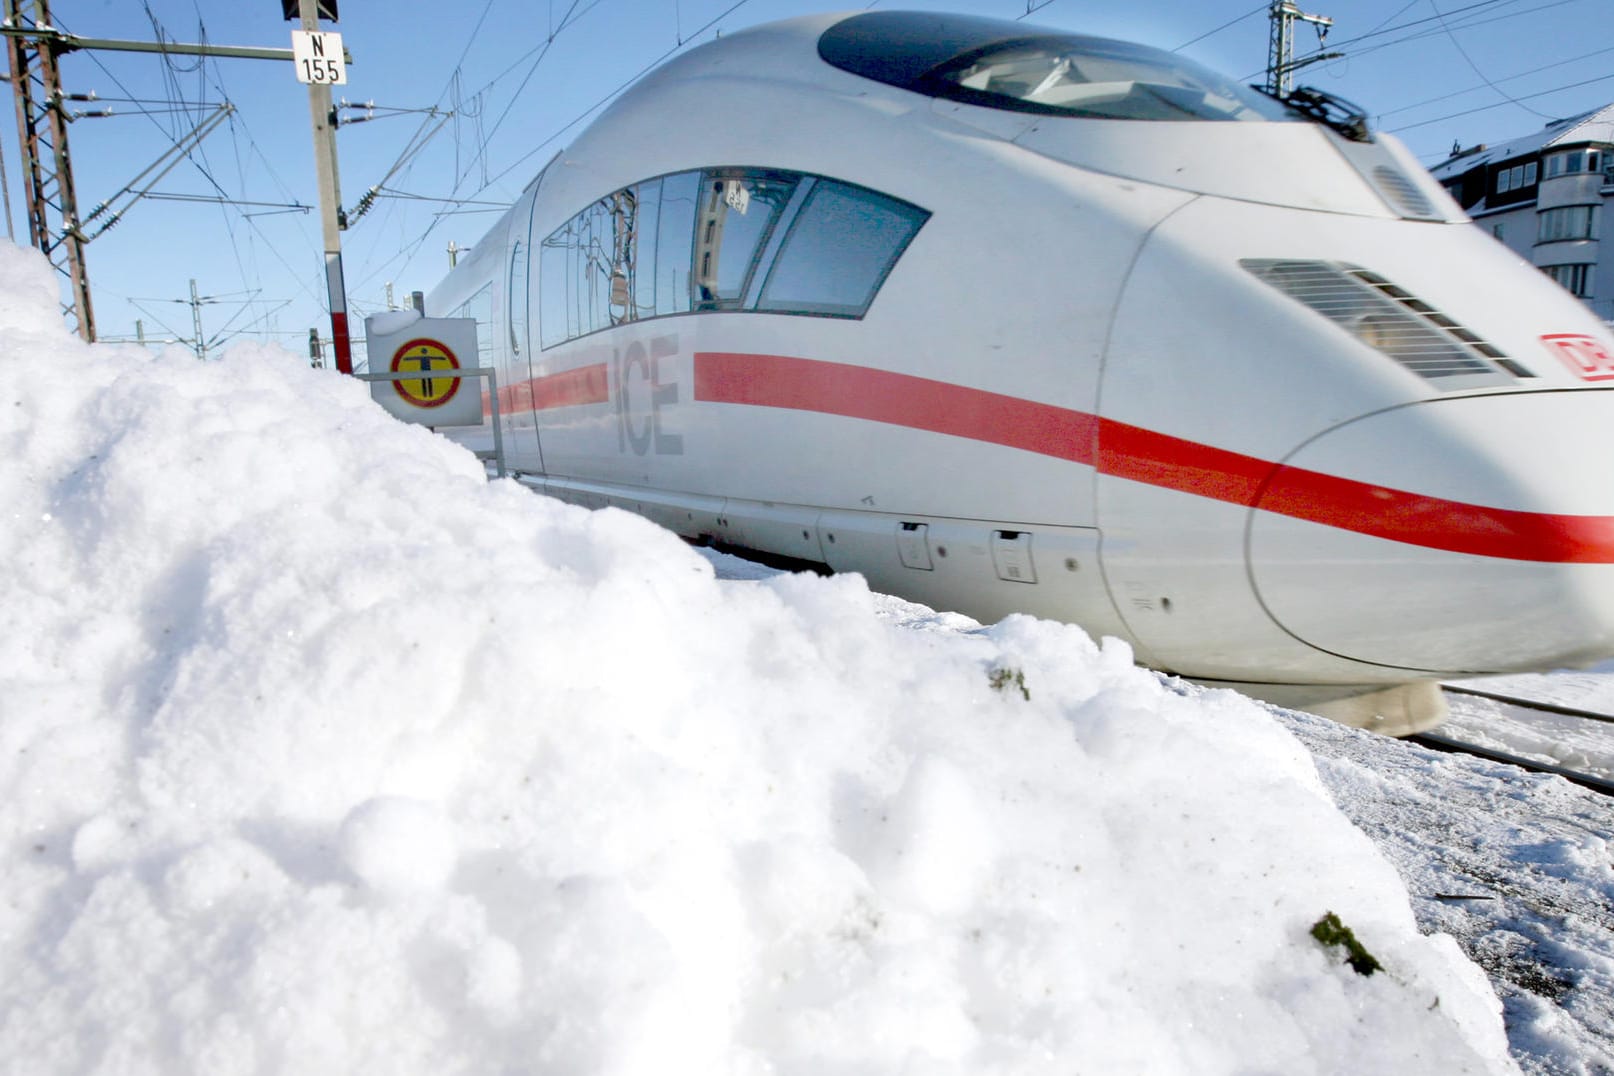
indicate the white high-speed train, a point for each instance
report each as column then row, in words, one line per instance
column 1014, row 320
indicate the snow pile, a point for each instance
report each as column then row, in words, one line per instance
column 318, row 753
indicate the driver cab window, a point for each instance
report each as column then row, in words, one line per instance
column 738, row 211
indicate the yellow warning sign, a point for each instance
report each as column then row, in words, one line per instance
column 428, row 356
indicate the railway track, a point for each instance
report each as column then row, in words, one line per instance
column 1438, row 741
column 1530, row 704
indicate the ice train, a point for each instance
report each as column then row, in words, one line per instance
column 1016, row 320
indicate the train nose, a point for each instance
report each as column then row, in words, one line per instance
column 1470, row 535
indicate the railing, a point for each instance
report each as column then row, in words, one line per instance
column 497, row 455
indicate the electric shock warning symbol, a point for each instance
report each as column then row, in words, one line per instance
column 426, row 356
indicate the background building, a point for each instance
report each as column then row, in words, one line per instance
column 1544, row 196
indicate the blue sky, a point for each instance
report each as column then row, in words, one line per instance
column 518, row 75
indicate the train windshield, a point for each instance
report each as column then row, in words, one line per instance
column 998, row 64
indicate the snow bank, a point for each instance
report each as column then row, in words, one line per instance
column 318, row 753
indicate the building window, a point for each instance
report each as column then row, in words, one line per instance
column 1568, row 222
column 1496, row 232
column 1573, row 162
column 1576, row 278
column 1515, row 178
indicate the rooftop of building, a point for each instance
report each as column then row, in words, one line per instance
column 1594, row 126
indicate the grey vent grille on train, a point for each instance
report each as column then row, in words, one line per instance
column 1400, row 192
column 1388, row 319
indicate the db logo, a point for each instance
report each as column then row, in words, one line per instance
column 1583, row 354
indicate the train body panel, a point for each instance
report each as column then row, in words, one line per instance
column 1477, row 561
column 1302, row 376
column 1057, row 325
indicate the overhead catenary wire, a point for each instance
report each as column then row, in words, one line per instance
column 1502, row 104
column 177, row 94
column 1032, row 7
column 188, row 95
column 602, row 102
column 478, row 170
column 1381, row 30
column 209, row 199
column 1509, row 78
column 470, row 108
column 412, row 247
column 201, row 71
column 162, row 166
column 409, row 196
column 416, row 143
column 230, row 208
column 1424, row 31
column 1471, row 14
column 1258, row 9
column 567, row 20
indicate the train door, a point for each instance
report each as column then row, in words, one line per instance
column 523, row 450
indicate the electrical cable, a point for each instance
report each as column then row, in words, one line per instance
column 1231, row 22
column 1469, row 11
column 1501, row 104
column 1032, row 7
column 1470, row 24
column 297, row 275
column 1509, row 78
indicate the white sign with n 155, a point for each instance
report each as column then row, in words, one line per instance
column 318, row 57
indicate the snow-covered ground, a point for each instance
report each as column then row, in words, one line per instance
column 319, row 753
column 1575, row 743
column 1517, row 867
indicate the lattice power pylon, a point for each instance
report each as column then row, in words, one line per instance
column 53, row 220
column 1281, row 65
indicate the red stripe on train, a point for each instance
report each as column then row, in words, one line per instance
column 881, row 396
column 1155, row 459
column 584, row 385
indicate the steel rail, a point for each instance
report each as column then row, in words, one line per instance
column 1530, row 704
column 1446, row 745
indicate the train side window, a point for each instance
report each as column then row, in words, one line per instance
column 675, row 241
column 721, row 239
column 641, row 268
column 596, row 232
column 480, row 307
column 557, row 315
column 621, row 256
column 839, row 251
column 737, row 211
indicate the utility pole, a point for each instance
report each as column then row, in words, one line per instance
column 36, row 84
column 196, row 323
column 330, row 198
column 5, row 189
column 33, row 47
column 1281, row 64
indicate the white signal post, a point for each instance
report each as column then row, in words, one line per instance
column 324, row 67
